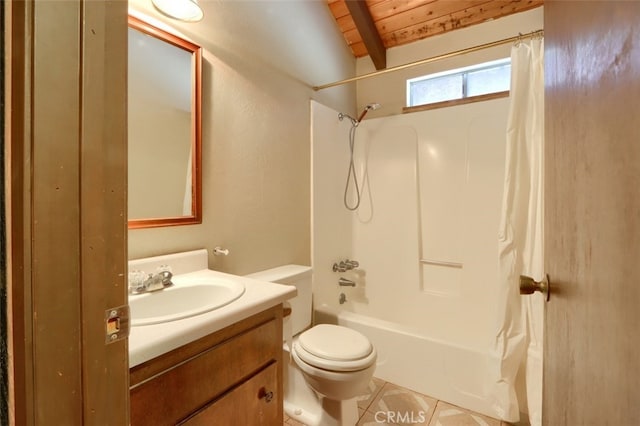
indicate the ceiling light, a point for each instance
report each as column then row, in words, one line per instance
column 184, row 10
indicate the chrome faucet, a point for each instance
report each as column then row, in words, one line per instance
column 153, row 282
column 344, row 282
column 345, row 265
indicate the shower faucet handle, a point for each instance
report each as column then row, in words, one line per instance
column 339, row 267
column 351, row 264
column 345, row 265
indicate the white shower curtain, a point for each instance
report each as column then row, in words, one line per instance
column 518, row 337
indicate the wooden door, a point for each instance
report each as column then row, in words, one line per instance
column 592, row 213
column 67, row 210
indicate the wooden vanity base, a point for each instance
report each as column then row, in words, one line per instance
column 232, row 376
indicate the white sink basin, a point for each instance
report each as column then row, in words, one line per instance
column 184, row 299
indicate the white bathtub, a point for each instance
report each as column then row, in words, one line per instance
column 432, row 367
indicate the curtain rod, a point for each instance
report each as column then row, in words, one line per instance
column 538, row 33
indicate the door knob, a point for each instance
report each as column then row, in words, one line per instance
column 529, row 286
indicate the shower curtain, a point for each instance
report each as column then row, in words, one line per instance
column 518, row 334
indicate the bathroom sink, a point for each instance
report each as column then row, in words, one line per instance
column 184, row 299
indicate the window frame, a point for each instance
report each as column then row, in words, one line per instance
column 463, row 72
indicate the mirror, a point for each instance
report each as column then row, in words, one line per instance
column 164, row 129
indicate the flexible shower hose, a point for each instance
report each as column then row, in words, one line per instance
column 351, row 174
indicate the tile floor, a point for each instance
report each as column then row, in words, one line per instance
column 388, row 404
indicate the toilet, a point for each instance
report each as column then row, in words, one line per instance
column 328, row 366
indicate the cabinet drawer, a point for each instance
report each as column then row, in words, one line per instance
column 181, row 390
column 254, row 403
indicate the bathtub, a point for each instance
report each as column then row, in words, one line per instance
column 436, row 368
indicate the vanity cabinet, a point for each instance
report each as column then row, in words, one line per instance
column 240, row 405
column 232, row 376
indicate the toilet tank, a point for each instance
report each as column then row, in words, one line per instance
column 300, row 277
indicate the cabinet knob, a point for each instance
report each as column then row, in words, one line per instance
column 263, row 393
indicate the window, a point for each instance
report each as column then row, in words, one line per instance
column 482, row 79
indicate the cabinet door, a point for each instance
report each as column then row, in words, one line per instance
column 184, row 388
column 255, row 402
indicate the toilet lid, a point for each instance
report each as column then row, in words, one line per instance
column 335, row 343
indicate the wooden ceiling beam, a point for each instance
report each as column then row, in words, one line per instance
column 368, row 31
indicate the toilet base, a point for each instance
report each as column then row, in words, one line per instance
column 303, row 404
column 329, row 413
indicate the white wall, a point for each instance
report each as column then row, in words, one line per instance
column 260, row 60
column 390, row 89
column 432, row 190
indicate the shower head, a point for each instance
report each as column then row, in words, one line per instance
column 364, row 112
column 367, row 109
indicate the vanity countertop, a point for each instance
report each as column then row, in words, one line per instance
column 149, row 341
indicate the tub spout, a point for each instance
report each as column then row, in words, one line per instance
column 344, row 282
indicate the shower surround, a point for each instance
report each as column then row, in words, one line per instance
column 425, row 235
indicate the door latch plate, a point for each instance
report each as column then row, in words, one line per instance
column 116, row 324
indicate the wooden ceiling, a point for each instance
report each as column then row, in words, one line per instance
column 372, row 26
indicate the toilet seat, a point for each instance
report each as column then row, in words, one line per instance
column 335, row 348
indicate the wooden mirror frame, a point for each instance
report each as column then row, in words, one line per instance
column 196, row 129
